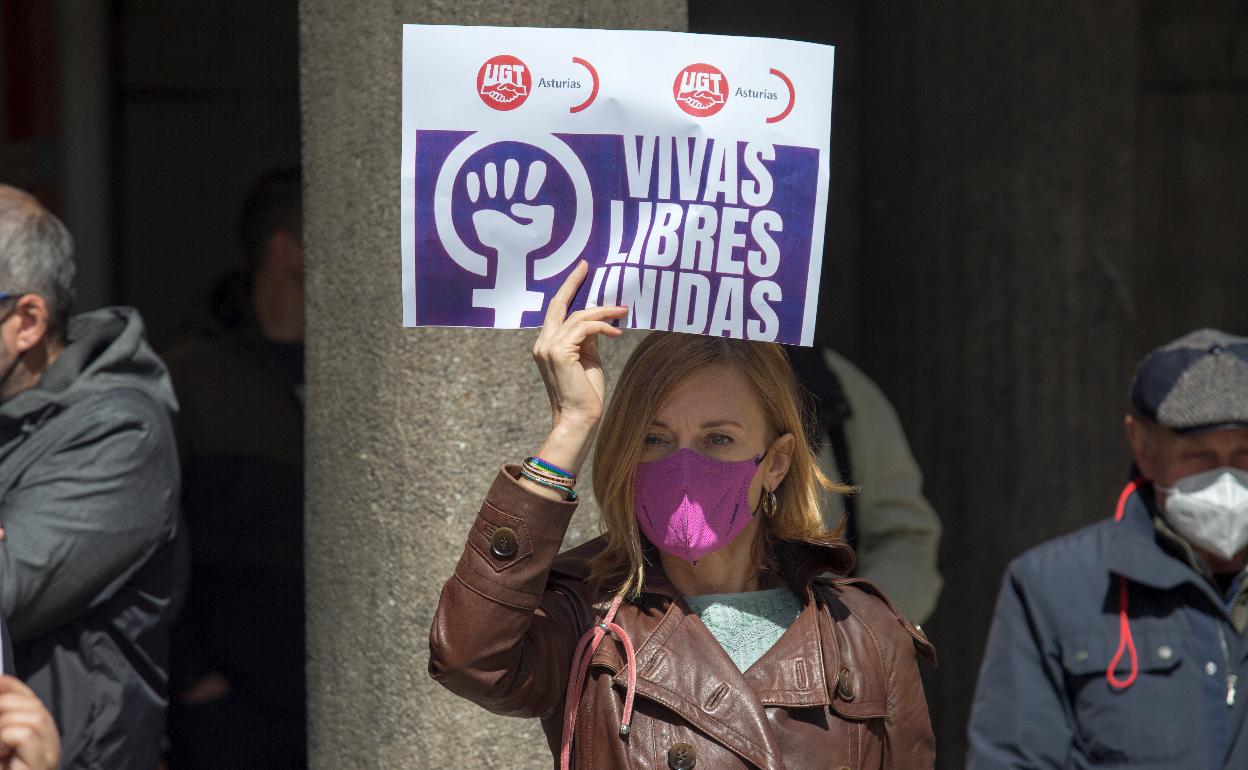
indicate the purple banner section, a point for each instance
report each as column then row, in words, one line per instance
column 694, row 234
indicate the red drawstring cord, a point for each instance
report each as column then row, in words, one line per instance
column 1125, row 641
column 580, row 666
column 1127, row 491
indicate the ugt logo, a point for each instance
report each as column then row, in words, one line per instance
column 504, row 82
column 700, row 90
column 526, row 205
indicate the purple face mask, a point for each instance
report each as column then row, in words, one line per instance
column 689, row 504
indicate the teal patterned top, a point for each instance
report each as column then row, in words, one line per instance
column 747, row 624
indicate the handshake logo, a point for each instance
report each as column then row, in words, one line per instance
column 700, row 90
column 513, row 197
column 504, row 82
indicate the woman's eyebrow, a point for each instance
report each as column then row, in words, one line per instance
column 705, row 425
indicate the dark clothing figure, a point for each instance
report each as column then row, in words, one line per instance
column 241, row 436
column 1072, row 680
column 89, row 576
column 7, row 666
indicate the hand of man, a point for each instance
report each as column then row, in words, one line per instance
column 28, row 736
column 212, row 687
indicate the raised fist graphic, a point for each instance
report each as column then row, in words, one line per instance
column 514, row 236
column 499, row 206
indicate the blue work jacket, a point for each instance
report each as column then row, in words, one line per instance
column 1045, row 697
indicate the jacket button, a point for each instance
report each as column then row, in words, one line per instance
column 682, row 756
column 845, row 685
column 504, row 543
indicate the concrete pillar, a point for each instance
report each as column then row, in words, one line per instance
column 997, row 304
column 405, row 428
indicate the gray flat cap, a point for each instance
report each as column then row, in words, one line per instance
column 1197, row 383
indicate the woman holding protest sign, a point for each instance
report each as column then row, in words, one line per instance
column 703, row 629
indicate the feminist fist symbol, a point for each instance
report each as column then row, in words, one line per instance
column 514, row 236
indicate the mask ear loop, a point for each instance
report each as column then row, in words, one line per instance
column 1126, row 642
column 760, row 508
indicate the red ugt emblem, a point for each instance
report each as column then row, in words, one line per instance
column 700, row 90
column 504, row 82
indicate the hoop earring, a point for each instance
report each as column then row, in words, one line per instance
column 769, row 503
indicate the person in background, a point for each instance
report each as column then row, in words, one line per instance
column 238, row 651
column 1123, row 644
column 893, row 529
column 89, row 573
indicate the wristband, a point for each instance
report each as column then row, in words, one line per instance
column 550, row 467
column 540, row 468
column 566, row 490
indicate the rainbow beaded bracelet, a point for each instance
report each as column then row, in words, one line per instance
column 550, row 467
column 565, row 489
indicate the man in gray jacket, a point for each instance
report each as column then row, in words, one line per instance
column 88, row 500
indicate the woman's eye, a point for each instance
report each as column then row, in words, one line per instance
column 653, row 440
column 719, row 439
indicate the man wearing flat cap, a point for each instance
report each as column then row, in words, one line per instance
column 1124, row 643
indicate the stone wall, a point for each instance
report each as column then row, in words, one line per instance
column 405, row 428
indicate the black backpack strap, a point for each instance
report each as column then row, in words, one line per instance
column 830, row 409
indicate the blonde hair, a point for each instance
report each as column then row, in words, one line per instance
column 660, row 363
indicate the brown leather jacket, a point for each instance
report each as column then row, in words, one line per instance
column 840, row 689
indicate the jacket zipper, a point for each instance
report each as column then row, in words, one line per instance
column 1231, row 678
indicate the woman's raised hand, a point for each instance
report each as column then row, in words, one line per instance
column 566, row 353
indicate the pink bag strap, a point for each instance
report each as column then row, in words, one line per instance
column 580, row 669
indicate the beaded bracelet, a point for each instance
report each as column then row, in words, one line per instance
column 540, row 468
column 567, row 491
column 549, row 467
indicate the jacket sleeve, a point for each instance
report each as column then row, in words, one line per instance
column 88, row 513
column 500, row 637
column 908, row 738
column 1019, row 717
column 885, row 648
column 898, row 532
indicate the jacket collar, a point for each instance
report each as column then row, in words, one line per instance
column 794, row 673
column 1147, row 555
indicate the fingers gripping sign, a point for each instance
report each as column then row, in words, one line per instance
column 567, row 356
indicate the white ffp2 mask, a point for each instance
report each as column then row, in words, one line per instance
column 1210, row 510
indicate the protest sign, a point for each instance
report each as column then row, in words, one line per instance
column 691, row 171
